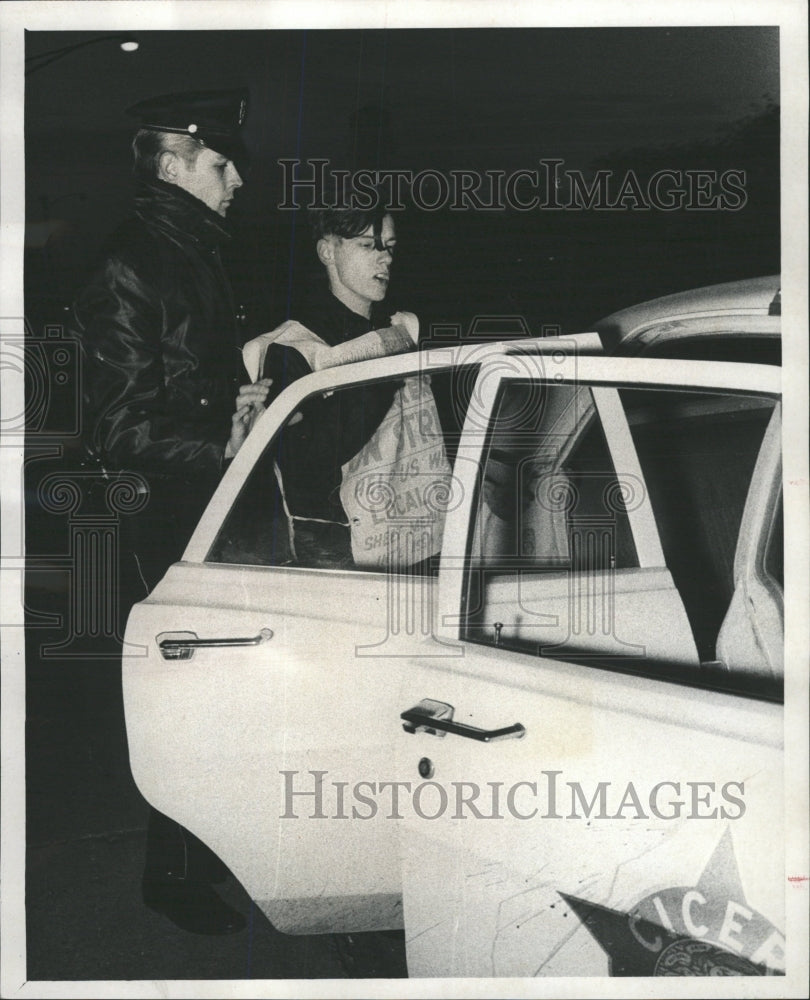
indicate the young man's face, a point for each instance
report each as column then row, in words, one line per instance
column 211, row 177
column 358, row 271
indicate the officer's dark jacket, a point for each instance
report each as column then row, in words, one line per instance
column 158, row 327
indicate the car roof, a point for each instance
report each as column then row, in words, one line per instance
column 748, row 308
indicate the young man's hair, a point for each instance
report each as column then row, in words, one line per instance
column 149, row 145
column 346, row 222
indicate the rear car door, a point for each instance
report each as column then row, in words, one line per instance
column 596, row 780
column 264, row 696
column 259, row 697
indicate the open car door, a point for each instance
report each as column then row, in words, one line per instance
column 596, row 780
column 260, row 699
column 260, row 712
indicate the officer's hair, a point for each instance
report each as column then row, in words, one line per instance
column 149, row 145
column 346, row 222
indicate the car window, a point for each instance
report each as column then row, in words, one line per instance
column 698, row 453
column 557, row 545
column 358, row 478
column 550, row 497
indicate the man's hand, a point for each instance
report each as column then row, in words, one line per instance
column 249, row 407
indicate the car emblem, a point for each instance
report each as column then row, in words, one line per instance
column 702, row 930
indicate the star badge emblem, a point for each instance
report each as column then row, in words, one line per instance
column 702, row 930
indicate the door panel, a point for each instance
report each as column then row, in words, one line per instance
column 210, row 737
column 599, row 613
column 483, row 893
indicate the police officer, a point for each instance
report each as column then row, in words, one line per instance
column 163, row 368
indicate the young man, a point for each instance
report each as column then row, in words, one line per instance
column 162, row 379
column 356, row 249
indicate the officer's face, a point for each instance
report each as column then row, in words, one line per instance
column 358, row 271
column 211, row 177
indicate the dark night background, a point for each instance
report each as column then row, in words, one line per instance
column 640, row 99
column 619, row 99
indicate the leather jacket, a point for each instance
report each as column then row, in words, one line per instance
column 158, row 328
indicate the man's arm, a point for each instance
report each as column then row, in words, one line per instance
column 282, row 366
column 336, row 426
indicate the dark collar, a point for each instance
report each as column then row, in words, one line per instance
column 333, row 321
column 173, row 208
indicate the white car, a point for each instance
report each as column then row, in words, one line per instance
column 556, row 750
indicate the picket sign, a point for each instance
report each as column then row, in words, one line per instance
column 396, row 490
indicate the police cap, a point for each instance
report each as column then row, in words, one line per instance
column 213, row 117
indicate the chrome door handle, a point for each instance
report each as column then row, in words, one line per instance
column 183, row 648
column 435, row 717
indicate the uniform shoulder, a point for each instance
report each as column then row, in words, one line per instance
column 133, row 252
column 131, row 242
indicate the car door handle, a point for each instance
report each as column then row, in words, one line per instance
column 183, row 648
column 436, row 718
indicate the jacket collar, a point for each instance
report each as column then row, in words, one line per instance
column 173, row 208
column 333, row 321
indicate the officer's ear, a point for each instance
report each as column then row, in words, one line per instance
column 168, row 166
column 325, row 248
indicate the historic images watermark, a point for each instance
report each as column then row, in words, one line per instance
column 310, row 795
column 551, row 186
column 74, row 507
